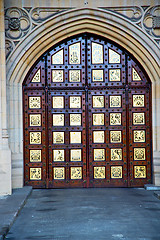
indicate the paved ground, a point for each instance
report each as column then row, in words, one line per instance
column 89, row 214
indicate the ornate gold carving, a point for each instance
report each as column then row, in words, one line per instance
column 98, row 136
column 99, row 172
column 35, row 173
column 116, row 172
column 58, row 155
column 116, row 154
column 115, row 101
column 98, row 119
column 98, row 101
column 115, row 136
column 57, row 75
column 138, row 118
column 75, row 102
column 140, row 171
column 99, row 154
column 114, row 75
column 97, row 75
column 114, row 57
column 58, row 173
column 115, row 118
column 74, row 53
column 58, row 119
column 97, row 53
column 37, row 76
column 57, row 58
column 74, row 76
column 35, row 137
column 135, row 75
column 34, row 102
column 75, row 137
column 138, row 100
column 76, row 172
column 139, row 154
column 58, row 137
column 75, row 155
column 35, row 119
column 35, row 155
column 139, row 135
column 58, row 102
column 75, row 119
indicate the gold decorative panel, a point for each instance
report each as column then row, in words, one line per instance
column 58, row 137
column 139, row 135
column 138, row 118
column 74, row 54
column 140, row 171
column 98, row 136
column 99, row 172
column 35, row 173
column 37, row 76
column 98, row 119
column 58, row 119
column 74, row 76
column 116, row 172
column 75, row 137
column 99, row 154
column 135, row 75
column 114, row 57
column 98, row 101
column 115, row 136
column 138, row 100
column 139, row 154
column 75, row 102
column 115, row 101
column 58, row 155
column 35, row 119
column 34, row 102
column 97, row 53
column 76, row 172
column 57, row 75
column 116, row 154
column 58, row 173
column 97, row 75
column 57, row 58
column 75, row 155
column 58, row 102
column 35, row 155
column 114, row 75
column 115, row 118
column 75, row 119
column 35, row 137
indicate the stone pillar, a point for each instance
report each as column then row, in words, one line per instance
column 5, row 153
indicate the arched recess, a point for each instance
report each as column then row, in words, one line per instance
column 104, row 23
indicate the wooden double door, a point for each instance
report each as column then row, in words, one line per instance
column 87, row 117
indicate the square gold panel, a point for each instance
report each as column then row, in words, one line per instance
column 59, row 173
column 139, row 154
column 135, row 75
column 115, row 136
column 75, row 102
column 37, row 76
column 115, row 101
column 74, row 53
column 35, row 155
column 34, row 102
column 114, row 57
column 57, row 75
column 75, row 119
column 99, row 154
column 35, row 137
column 76, row 172
column 97, row 75
column 58, row 119
column 139, row 135
column 140, row 171
column 98, row 119
column 116, row 172
column 75, row 137
column 58, row 155
column 74, row 76
column 99, row 172
column 35, row 120
column 58, row 102
column 98, row 136
column 57, row 58
column 116, row 154
column 114, row 75
column 35, row 173
column 58, row 137
column 97, row 53
column 138, row 100
column 75, row 155
column 138, row 118
column 115, row 118
column 98, row 101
